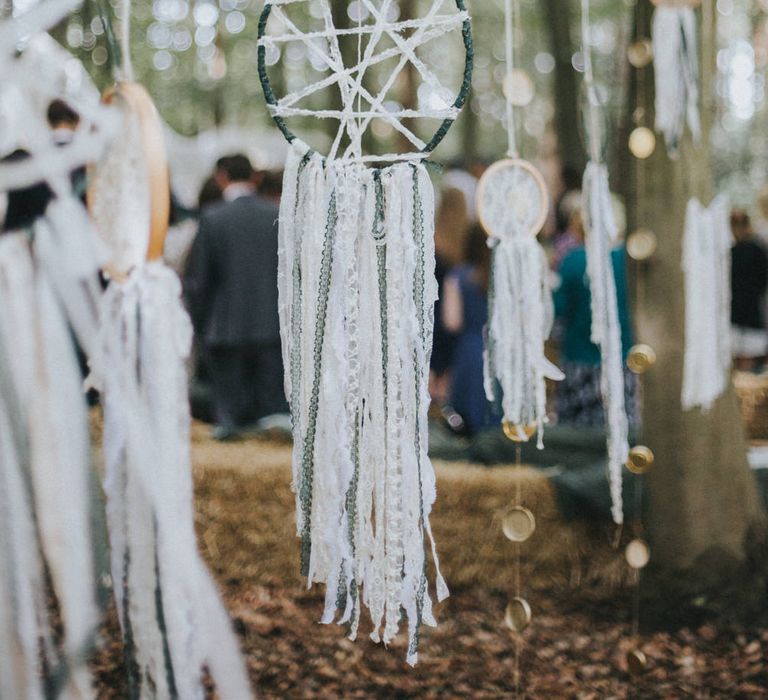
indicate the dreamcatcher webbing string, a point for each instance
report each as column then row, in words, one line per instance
column 509, row 48
column 126, row 65
column 403, row 47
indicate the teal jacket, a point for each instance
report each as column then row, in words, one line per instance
column 573, row 306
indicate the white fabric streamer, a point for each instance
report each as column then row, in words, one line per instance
column 172, row 619
column 357, row 292
column 601, row 233
column 520, row 317
column 706, row 264
column 676, row 70
column 44, row 453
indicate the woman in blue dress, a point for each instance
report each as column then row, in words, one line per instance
column 465, row 313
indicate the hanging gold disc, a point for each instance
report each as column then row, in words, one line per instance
column 640, row 53
column 641, row 244
column 517, row 432
column 636, row 662
column 642, row 142
column 640, row 459
column 641, row 358
column 518, row 615
column 518, row 524
column 637, row 554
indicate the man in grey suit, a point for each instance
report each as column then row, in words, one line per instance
column 231, row 289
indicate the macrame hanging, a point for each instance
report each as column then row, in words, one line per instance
column 48, row 284
column 357, row 293
column 601, row 234
column 676, row 70
column 707, row 268
column 512, row 204
column 172, row 619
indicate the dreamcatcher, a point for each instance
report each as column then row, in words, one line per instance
column 601, row 233
column 512, row 205
column 48, row 284
column 172, row 619
column 676, row 67
column 357, row 293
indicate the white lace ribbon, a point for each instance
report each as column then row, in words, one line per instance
column 357, row 292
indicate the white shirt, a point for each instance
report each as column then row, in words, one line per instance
column 235, row 190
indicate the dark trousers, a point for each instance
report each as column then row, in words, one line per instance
column 246, row 383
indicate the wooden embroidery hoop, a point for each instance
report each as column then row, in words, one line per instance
column 531, row 172
column 137, row 101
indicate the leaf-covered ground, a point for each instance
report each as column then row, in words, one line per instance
column 576, row 583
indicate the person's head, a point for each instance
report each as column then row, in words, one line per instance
column 61, row 116
column 741, row 226
column 762, row 202
column 569, row 213
column 451, row 224
column 478, row 254
column 234, row 168
column 271, row 185
column 210, row 192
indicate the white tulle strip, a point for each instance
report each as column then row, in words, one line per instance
column 601, row 233
column 172, row 618
column 519, row 322
column 357, row 292
column 707, row 268
column 44, row 453
column 676, row 70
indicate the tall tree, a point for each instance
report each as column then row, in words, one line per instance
column 560, row 17
column 703, row 509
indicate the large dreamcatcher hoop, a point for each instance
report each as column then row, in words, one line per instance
column 357, row 293
column 353, row 119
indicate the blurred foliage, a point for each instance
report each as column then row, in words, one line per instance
column 198, row 58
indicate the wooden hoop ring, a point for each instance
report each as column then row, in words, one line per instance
column 537, row 176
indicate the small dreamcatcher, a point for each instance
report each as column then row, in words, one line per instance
column 172, row 618
column 357, row 292
column 512, row 203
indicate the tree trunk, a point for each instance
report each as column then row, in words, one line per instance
column 560, row 18
column 702, row 502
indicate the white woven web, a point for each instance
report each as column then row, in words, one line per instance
column 359, row 106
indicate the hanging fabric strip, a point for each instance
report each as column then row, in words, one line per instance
column 520, row 317
column 44, row 453
column 601, row 233
column 172, row 619
column 676, row 70
column 357, row 291
column 706, row 264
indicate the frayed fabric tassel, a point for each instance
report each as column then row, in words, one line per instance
column 172, row 619
column 601, row 234
column 44, row 453
column 676, row 69
column 707, row 268
column 357, row 293
column 520, row 317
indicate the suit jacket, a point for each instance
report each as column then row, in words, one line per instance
column 231, row 277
